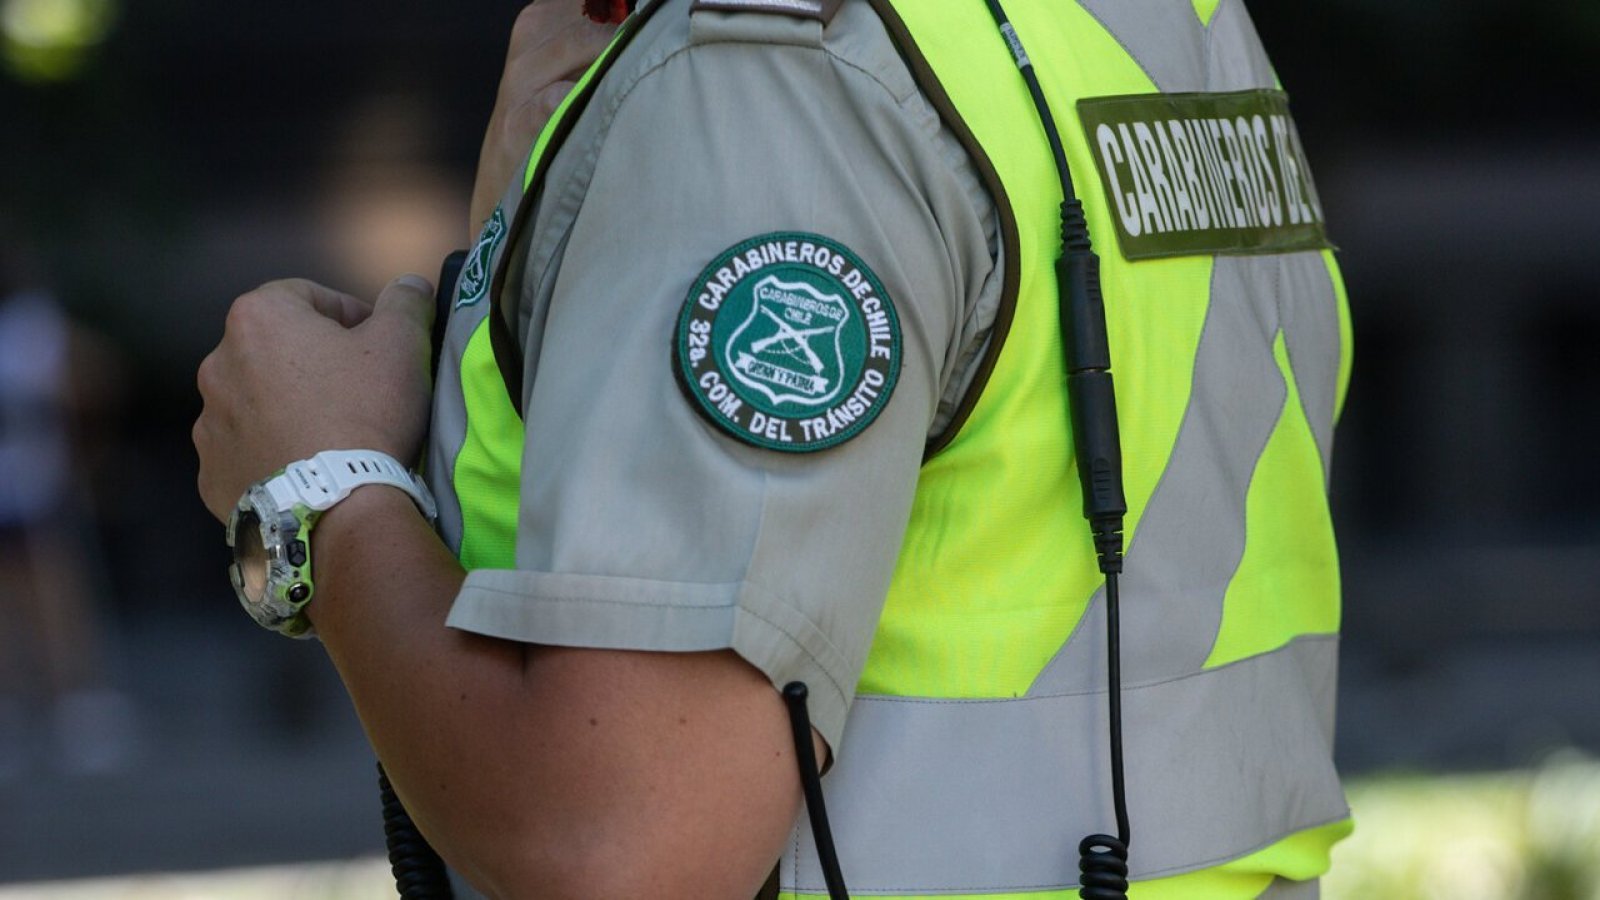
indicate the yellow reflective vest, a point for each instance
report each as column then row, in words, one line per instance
column 978, row 738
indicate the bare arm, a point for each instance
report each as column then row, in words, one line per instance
column 542, row 771
column 536, row 771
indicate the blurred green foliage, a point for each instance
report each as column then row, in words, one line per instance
column 1530, row 835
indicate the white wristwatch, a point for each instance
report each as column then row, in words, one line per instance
column 270, row 529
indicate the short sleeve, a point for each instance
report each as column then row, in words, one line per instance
column 645, row 522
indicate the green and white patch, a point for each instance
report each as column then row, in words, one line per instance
column 788, row 341
column 479, row 267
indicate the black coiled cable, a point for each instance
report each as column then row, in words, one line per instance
column 1103, row 862
column 419, row 873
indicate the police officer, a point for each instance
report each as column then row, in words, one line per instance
column 753, row 377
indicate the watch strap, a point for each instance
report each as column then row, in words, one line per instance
column 330, row 476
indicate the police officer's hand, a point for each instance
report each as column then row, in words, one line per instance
column 303, row 368
column 551, row 45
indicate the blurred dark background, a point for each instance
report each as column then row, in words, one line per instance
column 160, row 157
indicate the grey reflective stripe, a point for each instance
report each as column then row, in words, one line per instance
column 448, row 430
column 1284, row 889
column 1236, row 60
column 1191, row 536
column 1169, row 47
column 992, row 796
column 1181, row 54
column 1310, row 329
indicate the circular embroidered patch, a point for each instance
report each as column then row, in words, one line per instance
column 788, row 341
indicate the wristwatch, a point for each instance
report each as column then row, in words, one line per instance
column 270, row 529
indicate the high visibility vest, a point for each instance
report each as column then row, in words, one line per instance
column 977, row 754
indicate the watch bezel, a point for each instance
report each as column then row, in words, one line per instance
column 285, row 536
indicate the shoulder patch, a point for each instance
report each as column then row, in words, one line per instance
column 788, row 341
column 479, row 267
column 821, row 10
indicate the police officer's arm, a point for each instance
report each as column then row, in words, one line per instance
column 551, row 44
column 611, row 772
column 536, row 771
column 550, row 772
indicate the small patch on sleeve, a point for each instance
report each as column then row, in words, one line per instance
column 788, row 341
column 479, row 268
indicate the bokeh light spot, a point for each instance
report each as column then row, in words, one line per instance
column 52, row 40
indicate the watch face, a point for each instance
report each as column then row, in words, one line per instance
column 250, row 556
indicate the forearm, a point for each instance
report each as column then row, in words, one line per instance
column 428, row 696
column 547, row 771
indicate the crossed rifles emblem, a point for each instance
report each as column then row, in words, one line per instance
column 786, row 332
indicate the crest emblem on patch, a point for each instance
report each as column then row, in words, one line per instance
column 788, row 341
column 479, row 267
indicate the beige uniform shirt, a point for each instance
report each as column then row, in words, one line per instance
column 643, row 524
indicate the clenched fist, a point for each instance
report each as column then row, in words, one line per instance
column 304, row 368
